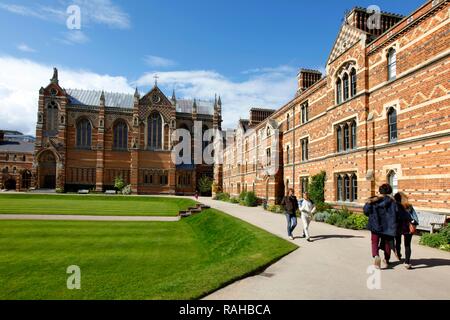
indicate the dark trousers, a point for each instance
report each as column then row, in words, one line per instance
column 407, row 242
column 291, row 222
column 383, row 242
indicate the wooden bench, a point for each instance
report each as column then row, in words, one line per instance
column 83, row 191
column 110, row 192
column 430, row 221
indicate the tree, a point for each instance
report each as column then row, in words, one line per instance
column 316, row 188
column 119, row 184
column 205, row 185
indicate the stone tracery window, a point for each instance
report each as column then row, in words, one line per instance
column 120, row 135
column 84, row 133
column 52, row 118
column 155, row 131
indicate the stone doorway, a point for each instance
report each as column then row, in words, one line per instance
column 47, row 170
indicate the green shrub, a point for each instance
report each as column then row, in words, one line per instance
column 316, row 188
column 222, row 196
column 439, row 240
column 204, row 184
column 242, row 195
column 126, row 190
column 357, row 222
column 332, row 218
column 251, row 200
column 321, row 216
column 275, row 208
column 234, row 200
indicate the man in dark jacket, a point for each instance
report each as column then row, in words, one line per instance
column 383, row 217
column 290, row 205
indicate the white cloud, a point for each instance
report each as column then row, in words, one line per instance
column 103, row 12
column 268, row 88
column 19, row 92
column 159, row 62
column 25, row 48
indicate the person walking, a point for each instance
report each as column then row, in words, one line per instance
column 382, row 211
column 408, row 222
column 307, row 209
column 290, row 205
column 196, row 195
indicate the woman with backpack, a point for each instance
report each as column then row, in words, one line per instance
column 407, row 224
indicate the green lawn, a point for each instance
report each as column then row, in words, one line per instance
column 129, row 260
column 92, row 205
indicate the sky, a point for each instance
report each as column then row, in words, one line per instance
column 247, row 51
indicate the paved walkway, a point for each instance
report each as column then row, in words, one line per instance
column 84, row 218
column 334, row 266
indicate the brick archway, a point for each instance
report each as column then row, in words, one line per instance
column 47, row 170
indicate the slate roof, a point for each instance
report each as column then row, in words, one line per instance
column 19, row 147
column 79, row 97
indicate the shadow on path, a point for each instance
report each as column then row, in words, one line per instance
column 333, row 236
column 429, row 263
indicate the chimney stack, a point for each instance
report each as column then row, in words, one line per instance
column 307, row 77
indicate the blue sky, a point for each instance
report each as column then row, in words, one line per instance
column 247, row 51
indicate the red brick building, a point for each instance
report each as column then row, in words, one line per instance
column 85, row 139
column 381, row 114
column 16, row 162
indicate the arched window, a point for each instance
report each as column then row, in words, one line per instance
column 340, row 188
column 346, row 137
column 346, row 188
column 392, row 123
column 84, row 134
column 339, row 138
column 392, row 64
column 338, row 91
column 393, row 181
column 120, row 135
column 52, row 118
column 354, row 138
column 155, row 131
column 288, row 122
column 354, row 187
column 353, row 81
column 346, row 87
column 268, row 132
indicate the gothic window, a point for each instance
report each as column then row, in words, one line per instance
column 338, row 91
column 268, row 157
column 304, row 184
column 268, row 132
column 346, row 87
column 392, row 64
column 288, row 122
column 339, row 189
column 339, row 138
column 305, row 146
column 346, row 137
column 353, row 80
column 392, row 123
column 120, row 135
column 354, row 187
column 155, row 131
column 346, row 188
column 304, row 110
column 52, row 118
column 354, row 137
column 84, row 134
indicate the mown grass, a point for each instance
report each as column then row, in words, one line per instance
column 92, row 205
column 130, row 260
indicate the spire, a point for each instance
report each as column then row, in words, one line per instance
column 156, row 80
column 54, row 79
column 194, row 106
column 215, row 101
column 219, row 102
column 136, row 93
column 102, row 98
column 174, row 98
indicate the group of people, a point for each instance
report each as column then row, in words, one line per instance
column 391, row 220
column 307, row 209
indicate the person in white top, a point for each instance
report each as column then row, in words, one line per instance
column 307, row 209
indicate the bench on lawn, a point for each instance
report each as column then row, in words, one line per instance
column 110, row 192
column 83, row 191
column 430, row 221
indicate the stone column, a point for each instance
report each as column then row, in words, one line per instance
column 99, row 176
